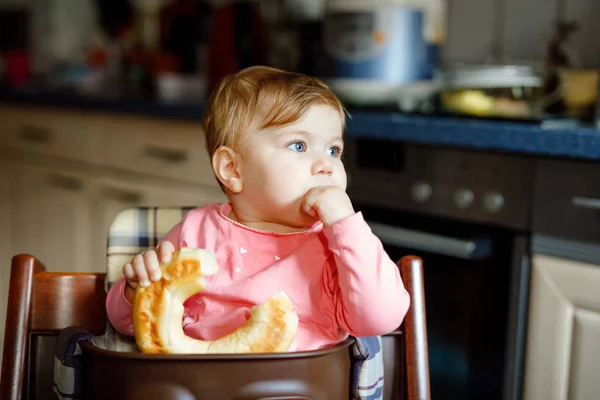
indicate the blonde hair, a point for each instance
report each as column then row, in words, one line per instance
column 266, row 95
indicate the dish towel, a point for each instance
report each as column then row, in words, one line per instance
column 367, row 371
column 68, row 364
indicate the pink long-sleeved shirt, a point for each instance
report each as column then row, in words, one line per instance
column 339, row 279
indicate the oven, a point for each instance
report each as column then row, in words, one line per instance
column 466, row 215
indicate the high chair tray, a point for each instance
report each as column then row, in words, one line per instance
column 321, row 375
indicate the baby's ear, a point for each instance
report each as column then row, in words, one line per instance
column 226, row 164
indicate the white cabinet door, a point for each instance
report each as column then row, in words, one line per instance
column 51, row 216
column 563, row 344
column 161, row 148
column 112, row 195
column 67, row 134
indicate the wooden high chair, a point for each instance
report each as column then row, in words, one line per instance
column 41, row 303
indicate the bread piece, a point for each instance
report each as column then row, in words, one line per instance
column 158, row 313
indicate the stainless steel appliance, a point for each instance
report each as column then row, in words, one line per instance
column 467, row 215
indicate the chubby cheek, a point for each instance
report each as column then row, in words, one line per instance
column 341, row 177
column 285, row 185
column 344, row 183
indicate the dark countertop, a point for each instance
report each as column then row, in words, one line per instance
column 554, row 139
column 548, row 139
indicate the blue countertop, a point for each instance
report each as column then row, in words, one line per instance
column 552, row 139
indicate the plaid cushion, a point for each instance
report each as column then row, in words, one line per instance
column 132, row 231
column 135, row 230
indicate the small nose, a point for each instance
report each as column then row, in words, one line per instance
column 322, row 166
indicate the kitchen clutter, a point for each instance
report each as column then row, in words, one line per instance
column 382, row 54
column 386, row 53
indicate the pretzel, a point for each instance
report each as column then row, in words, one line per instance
column 158, row 313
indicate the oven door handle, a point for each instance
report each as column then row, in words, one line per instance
column 429, row 242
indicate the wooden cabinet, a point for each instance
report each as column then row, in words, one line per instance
column 563, row 346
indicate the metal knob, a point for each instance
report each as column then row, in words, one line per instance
column 493, row 202
column 421, row 191
column 463, row 198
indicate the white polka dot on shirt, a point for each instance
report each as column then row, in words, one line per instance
column 277, row 258
column 243, row 250
column 238, row 269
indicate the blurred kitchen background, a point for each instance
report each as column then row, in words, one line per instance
column 516, row 59
column 473, row 142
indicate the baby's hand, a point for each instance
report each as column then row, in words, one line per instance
column 329, row 204
column 146, row 266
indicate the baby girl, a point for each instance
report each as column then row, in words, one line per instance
column 275, row 139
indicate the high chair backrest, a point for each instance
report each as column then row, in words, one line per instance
column 43, row 303
column 40, row 304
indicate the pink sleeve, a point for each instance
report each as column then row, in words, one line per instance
column 369, row 296
column 118, row 309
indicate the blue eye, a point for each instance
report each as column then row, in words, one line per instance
column 334, row 151
column 297, row 146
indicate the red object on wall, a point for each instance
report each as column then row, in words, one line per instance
column 238, row 39
column 17, row 67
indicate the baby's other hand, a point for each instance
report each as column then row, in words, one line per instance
column 329, row 204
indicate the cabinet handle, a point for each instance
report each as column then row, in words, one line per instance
column 586, row 202
column 123, row 196
column 65, row 182
column 35, row 134
column 165, row 154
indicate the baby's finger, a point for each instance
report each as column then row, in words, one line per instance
column 309, row 201
column 165, row 251
column 139, row 267
column 129, row 272
column 152, row 265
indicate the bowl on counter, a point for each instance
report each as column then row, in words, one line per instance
column 500, row 91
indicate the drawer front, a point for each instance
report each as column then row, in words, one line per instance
column 567, row 200
column 64, row 134
column 167, row 149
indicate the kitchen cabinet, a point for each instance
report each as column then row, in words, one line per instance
column 68, row 135
column 563, row 350
column 169, row 149
column 64, row 176
column 51, row 216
